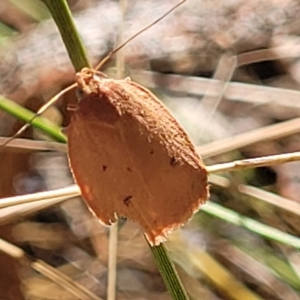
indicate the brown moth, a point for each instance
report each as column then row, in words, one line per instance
column 131, row 158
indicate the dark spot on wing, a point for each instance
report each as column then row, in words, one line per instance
column 151, row 152
column 104, row 168
column 128, row 169
column 127, row 200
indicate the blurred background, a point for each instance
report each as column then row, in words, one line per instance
column 228, row 71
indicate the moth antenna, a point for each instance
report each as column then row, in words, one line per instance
column 39, row 112
column 104, row 60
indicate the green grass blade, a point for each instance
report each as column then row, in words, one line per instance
column 250, row 224
column 26, row 115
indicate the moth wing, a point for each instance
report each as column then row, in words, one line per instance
column 125, row 163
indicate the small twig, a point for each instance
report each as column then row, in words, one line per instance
column 112, row 261
column 267, row 133
column 268, row 197
column 254, row 162
column 32, row 145
column 63, row 193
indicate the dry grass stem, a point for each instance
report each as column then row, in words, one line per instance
column 60, row 194
column 32, row 145
column 266, row 133
column 51, row 273
column 236, row 91
column 254, row 162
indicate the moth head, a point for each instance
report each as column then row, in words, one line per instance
column 87, row 82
